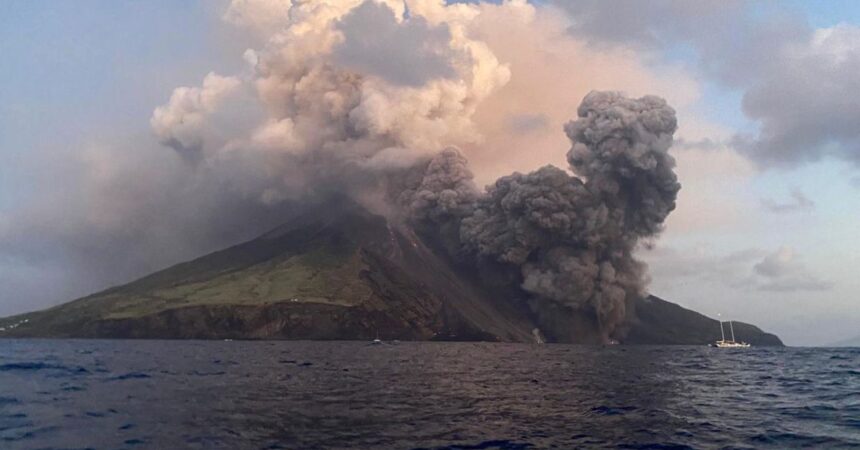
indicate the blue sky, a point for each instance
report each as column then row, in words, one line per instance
column 83, row 73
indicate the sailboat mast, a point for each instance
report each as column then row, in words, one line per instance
column 733, row 330
column 722, row 333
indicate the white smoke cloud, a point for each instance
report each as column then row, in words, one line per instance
column 182, row 122
column 326, row 88
column 263, row 17
column 277, row 135
column 340, row 108
column 316, row 113
column 368, row 81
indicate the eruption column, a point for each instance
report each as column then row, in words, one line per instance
column 573, row 237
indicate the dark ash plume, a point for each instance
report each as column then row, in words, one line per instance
column 572, row 238
column 621, row 146
column 446, row 190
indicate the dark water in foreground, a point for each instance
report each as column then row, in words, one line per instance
column 307, row 395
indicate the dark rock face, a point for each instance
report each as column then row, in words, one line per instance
column 344, row 273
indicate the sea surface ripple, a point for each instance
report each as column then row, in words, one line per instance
column 91, row 394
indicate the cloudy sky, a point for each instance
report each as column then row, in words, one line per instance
column 96, row 139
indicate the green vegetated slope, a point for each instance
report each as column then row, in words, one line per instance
column 337, row 274
column 341, row 273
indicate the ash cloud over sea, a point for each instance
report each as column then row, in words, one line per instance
column 319, row 111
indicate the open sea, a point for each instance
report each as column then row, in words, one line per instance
column 91, row 394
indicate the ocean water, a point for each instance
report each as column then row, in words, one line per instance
column 76, row 394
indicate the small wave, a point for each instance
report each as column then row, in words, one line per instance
column 487, row 445
column 73, row 389
column 796, row 440
column 229, row 363
column 36, row 366
column 612, row 411
column 207, row 374
column 130, row 376
column 27, row 435
column 13, row 422
column 657, row 446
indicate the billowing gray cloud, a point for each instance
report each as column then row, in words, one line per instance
column 808, row 105
column 729, row 269
column 445, row 189
column 776, row 265
column 798, row 202
column 573, row 238
column 632, row 23
column 361, row 99
column 799, row 84
column 752, row 269
column 781, row 271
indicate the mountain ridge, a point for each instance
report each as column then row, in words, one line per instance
column 344, row 273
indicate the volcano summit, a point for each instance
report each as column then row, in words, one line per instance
column 539, row 256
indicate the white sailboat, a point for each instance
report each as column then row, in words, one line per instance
column 376, row 341
column 723, row 343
